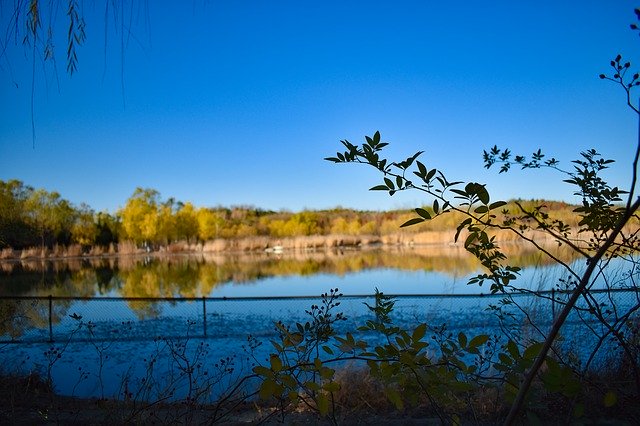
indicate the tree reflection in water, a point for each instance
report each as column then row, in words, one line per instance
column 198, row 275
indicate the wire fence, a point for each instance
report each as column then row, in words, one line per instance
column 97, row 347
column 33, row 319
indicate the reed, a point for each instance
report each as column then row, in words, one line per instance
column 8, row 253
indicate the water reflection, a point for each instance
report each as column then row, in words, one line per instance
column 409, row 270
column 200, row 275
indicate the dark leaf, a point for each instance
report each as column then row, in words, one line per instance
column 483, row 194
column 478, row 340
column 379, row 188
column 422, row 169
column 413, row 221
column 422, row 212
column 399, row 181
column 460, row 192
column 462, row 225
column 389, row 183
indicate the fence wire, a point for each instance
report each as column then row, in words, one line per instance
column 56, row 319
column 98, row 347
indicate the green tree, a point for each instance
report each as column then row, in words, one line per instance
column 51, row 215
column 108, row 229
column 15, row 232
column 84, row 230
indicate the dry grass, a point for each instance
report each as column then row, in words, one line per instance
column 33, row 252
column 177, row 247
column 74, row 250
column 97, row 251
column 128, row 247
column 369, row 398
column 8, row 253
column 215, row 246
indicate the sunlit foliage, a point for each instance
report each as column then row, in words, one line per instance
column 38, row 218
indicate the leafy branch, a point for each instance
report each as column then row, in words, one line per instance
column 601, row 234
column 472, row 200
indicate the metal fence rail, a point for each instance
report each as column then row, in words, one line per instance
column 33, row 319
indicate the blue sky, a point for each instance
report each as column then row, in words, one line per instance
column 237, row 102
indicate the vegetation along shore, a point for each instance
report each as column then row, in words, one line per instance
column 36, row 223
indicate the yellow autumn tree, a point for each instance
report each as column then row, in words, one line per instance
column 210, row 223
column 140, row 218
column 167, row 230
column 186, row 222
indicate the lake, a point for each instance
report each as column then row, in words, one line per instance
column 227, row 308
column 415, row 270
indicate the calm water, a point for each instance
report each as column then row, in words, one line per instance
column 419, row 270
column 121, row 337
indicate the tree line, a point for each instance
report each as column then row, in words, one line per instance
column 31, row 217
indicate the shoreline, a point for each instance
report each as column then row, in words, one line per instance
column 249, row 245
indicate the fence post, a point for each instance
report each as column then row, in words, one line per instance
column 50, row 320
column 204, row 315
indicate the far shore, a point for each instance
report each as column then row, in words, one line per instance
column 257, row 244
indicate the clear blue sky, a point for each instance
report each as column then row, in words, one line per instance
column 237, row 102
